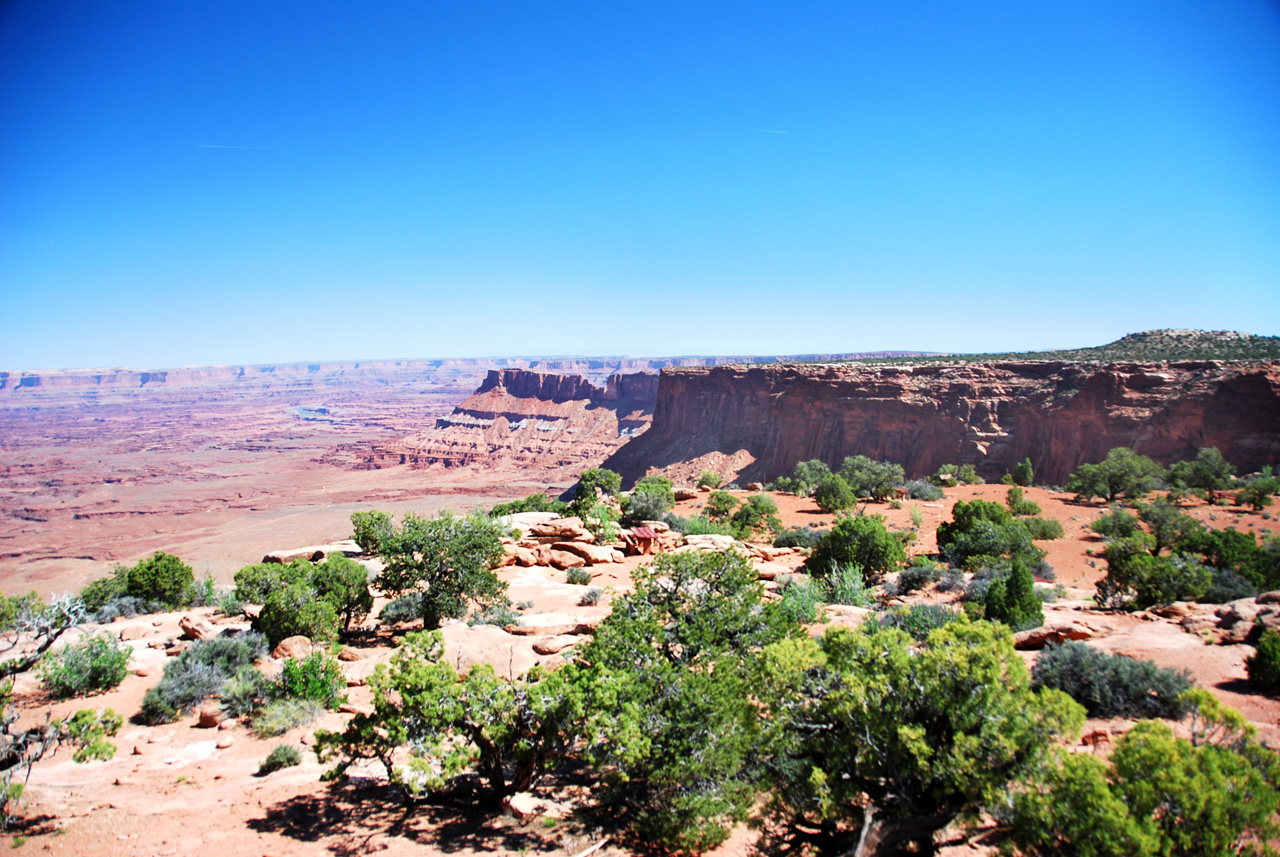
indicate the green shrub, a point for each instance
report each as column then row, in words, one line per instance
column 317, row 677
column 344, row 583
column 918, row 619
column 1012, row 600
column 981, row 532
column 12, row 609
column 1024, row 474
column 199, row 673
column 709, row 479
column 951, row 474
column 406, row 608
column 798, row 537
column 833, row 494
column 1227, row 585
column 801, row 601
column 757, row 512
column 868, row 478
column 163, row 578
column 846, row 585
column 97, row 664
column 1111, row 685
column 281, row 715
column 1137, row 580
column 500, row 615
column 283, row 756
column 533, row 503
column 1263, row 666
column 255, row 582
column 1116, row 524
column 1122, row 472
column 204, row 593
column 295, row 611
column 579, row 576
column 1042, row 529
column 916, row 577
column 720, row 505
column 1019, row 505
column 804, row 478
column 644, row 506
column 697, row 525
column 369, row 528
column 595, row 483
column 230, row 605
column 862, row 541
column 97, row 593
column 591, row 597
column 246, row 692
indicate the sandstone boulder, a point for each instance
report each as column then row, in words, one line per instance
column 555, row 645
column 1272, row 597
column 686, row 494
column 561, row 530
column 770, row 571
column 524, row 806
column 1058, row 632
column 564, row 560
column 292, row 647
column 755, row 486
column 525, row 557
column 709, row 542
column 211, row 714
column 195, row 629
column 349, row 655
column 132, row 632
column 592, row 554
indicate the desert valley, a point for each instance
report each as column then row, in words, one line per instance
column 235, row 467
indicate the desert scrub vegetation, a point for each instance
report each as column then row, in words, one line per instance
column 97, row 664
column 533, row 503
column 579, row 576
column 1263, row 666
column 1111, row 685
column 159, row 582
column 283, row 756
column 862, row 541
column 200, row 672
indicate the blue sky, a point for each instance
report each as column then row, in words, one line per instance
column 223, row 182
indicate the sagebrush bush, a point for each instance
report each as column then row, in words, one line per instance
column 246, row 692
column 294, row 611
column 923, row 489
column 952, row 581
column 1226, row 585
column 579, row 576
column 126, row 607
column 281, row 715
column 501, row 615
column 1263, row 666
column 1111, row 685
column 317, row 678
column 591, row 597
column 406, row 608
column 801, row 602
column 199, row 673
column 846, row 585
column 99, row 663
column 284, row 756
column 917, row 577
column 1043, row 529
column 918, row 619
column 798, row 537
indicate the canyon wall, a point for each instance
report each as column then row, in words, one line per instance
column 1060, row 414
column 540, row 426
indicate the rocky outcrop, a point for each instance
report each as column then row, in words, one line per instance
column 991, row 415
column 530, row 421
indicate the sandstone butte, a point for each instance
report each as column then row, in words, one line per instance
column 992, row 415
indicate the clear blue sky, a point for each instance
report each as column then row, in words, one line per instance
column 226, row 182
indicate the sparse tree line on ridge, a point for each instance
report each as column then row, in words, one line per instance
column 702, row 701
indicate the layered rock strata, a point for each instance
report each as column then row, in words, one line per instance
column 991, row 415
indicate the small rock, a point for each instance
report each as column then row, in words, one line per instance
column 132, row 632
column 142, row 672
column 1272, row 597
column 211, row 715
column 225, row 743
column 292, row 647
column 158, row 622
column 556, row 644
column 158, row 644
column 176, row 649
column 1038, row 638
column 351, row 708
column 138, row 751
column 227, row 724
column 685, row 494
column 356, row 682
column 755, row 486
column 349, row 654
column 524, row 805
column 194, row 629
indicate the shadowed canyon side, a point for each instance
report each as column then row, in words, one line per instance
column 544, row 425
column 991, row 415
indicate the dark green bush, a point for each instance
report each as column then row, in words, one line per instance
column 163, row 578
column 1012, row 600
column 917, row 577
column 97, row 664
column 284, row 756
column 833, row 494
column 295, row 611
column 864, row 542
column 1111, row 685
column 317, row 677
column 1042, row 529
column 1227, row 585
column 1024, row 474
column 1137, row 580
column 255, row 582
column 369, row 528
column 280, row 715
column 1263, row 666
column 1019, row 505
column 578, row 576
column 709, row 479
column 868, row 478
column 344, row 583
column 97, row 593
column 696, row 526
column 1116, row 524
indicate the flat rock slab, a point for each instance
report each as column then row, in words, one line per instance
column 556, row 645
column 1059, row 632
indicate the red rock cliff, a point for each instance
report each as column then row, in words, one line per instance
column 991, row 415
